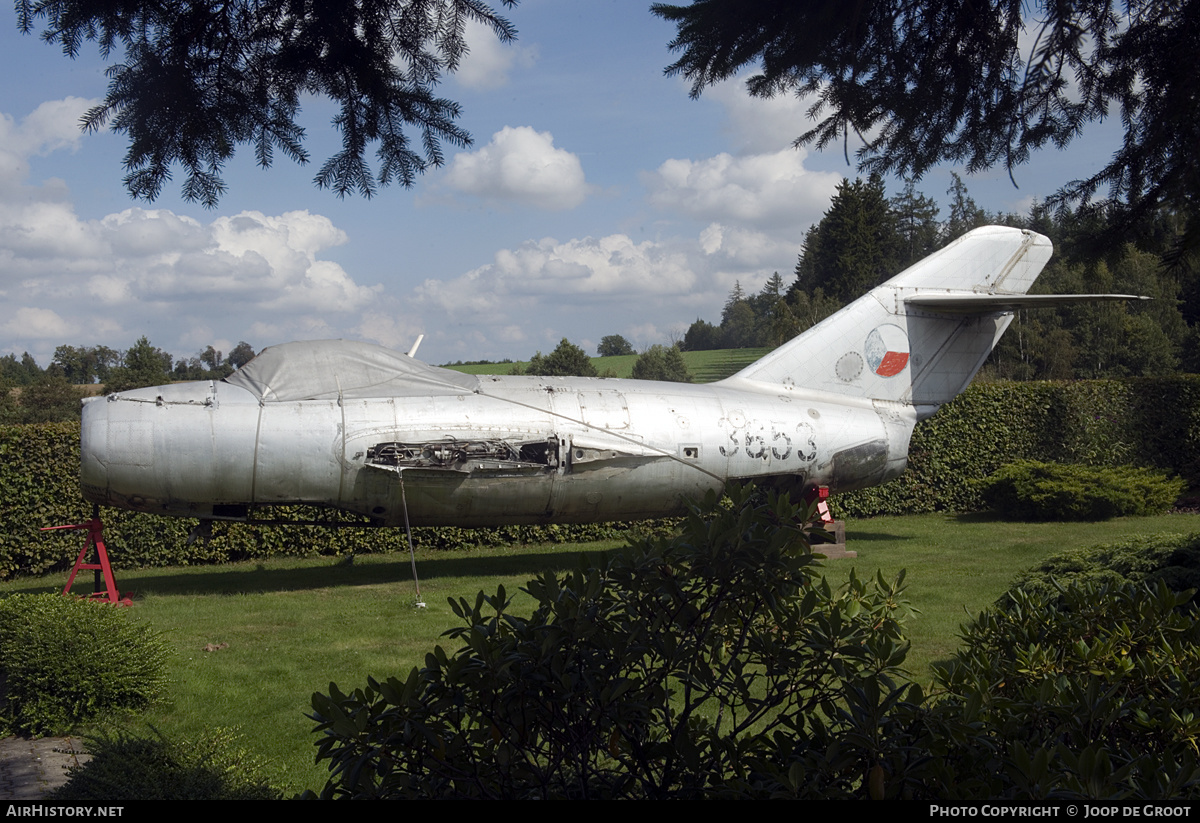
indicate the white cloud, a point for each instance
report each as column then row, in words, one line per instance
column 644, row 335
column 389, row 325
column 759, row 125
column 151, row 271
column 52, row 126
column 762, row 190
column 757, row 200
column 511, row 334
column 138, row 233
column 595, row 286
column 39, row 324
column 746, row 248
column 520, row 165
column 47, row 235
column 488, row 61
column 258, row 260
column 200, row 334
column 612, row 266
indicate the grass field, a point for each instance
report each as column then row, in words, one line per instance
column 292, row 626
column 705, row 366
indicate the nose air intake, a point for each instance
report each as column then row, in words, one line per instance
column 93, row 444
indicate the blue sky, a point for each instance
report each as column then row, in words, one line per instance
column 597, row 199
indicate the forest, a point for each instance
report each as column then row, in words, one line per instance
column 866, row 237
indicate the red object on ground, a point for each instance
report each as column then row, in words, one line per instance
column 822, row 495
column 95, row 539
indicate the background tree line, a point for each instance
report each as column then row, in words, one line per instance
column 31, row 394
column 866, row 237
column 658, row 362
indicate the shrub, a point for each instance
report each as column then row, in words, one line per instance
column 125, row 768
column 1172, row 558
column 718, row 664
column 65, row 661
column 1092, row 693
column 661, row 363
column 1030, row 490
column 674, row 670
column 1154, row 421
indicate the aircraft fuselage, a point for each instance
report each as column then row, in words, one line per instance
column 521, row 450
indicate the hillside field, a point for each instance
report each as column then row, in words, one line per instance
column 705, row 366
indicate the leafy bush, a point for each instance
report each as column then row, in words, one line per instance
column 125, row 768
column 1094, row 693
column 1172, row 558
column 65, row 661
column 1088, row 694
column 1029, row 490
column 675, row 670
column 718, row 664
column 661, row 363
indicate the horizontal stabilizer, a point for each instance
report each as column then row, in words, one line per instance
column 982, row 303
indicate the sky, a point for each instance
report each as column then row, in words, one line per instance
column 596, row 199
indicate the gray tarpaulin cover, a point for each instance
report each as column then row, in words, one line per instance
column 325, row 369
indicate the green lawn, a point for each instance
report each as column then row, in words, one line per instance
column 959, row 564
column 292, row 626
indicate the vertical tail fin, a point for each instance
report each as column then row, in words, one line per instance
column 920, row 337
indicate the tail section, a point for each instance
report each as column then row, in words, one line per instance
column 920, row 337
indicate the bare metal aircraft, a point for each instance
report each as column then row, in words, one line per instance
column 364, row 429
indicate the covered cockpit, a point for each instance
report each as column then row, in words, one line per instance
column 329, row 369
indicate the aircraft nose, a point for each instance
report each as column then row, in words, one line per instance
column 93, row 449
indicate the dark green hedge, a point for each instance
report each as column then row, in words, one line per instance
column 1150, row 422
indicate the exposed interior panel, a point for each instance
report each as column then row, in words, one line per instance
column 466, row 455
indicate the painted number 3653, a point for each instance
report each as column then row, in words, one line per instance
column 760, row 440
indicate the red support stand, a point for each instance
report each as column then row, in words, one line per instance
column 823, row 505
column 95, row 540
column 836, row 547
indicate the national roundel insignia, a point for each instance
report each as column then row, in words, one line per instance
column 887, row 350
